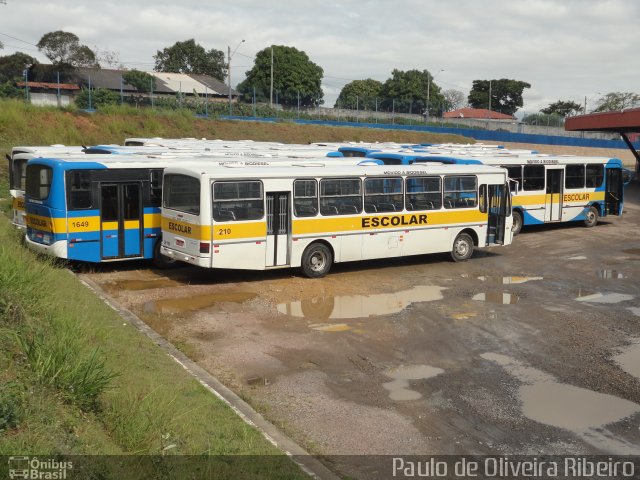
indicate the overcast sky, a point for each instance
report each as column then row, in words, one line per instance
column 566, row 49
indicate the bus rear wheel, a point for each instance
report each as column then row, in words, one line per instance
column 517, row 222
column 462, row 248
column 316, row 260
column 591, row 218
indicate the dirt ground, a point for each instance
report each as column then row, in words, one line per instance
column 532, row 348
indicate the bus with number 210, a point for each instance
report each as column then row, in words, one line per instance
column 240, row 217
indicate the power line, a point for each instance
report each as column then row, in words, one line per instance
column 18, row 39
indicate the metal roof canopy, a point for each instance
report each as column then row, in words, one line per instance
column 622, row 121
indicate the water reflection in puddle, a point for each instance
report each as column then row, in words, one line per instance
column 632, row 251
column 497, row 297
column 634, row 310
column 578, row 257
column 548, row 401
column 629, row 359
column 512, row 279
column 398, row 388
column 606, row 273
column 604, row 297
column 360, row 306
column 330, row 327
column 196, row 302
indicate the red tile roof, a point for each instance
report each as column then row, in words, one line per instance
column 478, row 113
column 62, row 86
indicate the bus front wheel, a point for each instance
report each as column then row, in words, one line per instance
column 316, row 260
column 462, row 248
column 517, row 222
column 591, row 218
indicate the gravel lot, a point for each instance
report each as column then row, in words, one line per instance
column 528, row 349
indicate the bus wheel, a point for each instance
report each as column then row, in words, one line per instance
column 316, row 260
column 162, row 261
column 462, row 248
column 517, row 222
column 591, row 218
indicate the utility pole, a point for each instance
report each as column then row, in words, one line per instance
column 229, row 55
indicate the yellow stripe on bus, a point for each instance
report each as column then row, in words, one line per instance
column 186, row 229
column 152, row 220
column 83, row 224
column 541, row 199
column 17, row 204
column 235, row 230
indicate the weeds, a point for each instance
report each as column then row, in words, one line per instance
column 12, row 399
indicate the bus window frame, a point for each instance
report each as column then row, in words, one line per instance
column 230, row 213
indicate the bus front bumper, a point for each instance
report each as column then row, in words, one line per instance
column 57, row 249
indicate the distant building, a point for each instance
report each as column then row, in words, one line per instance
column 479, row 114
column 165, row 85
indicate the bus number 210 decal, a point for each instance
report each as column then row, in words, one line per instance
column 224, row 231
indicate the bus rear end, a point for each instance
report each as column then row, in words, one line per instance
column 186, row 228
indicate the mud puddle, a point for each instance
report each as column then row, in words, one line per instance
column 629, row 359
column 511, row 280
column 599, row 297
column 135, row 285
column 194, row 303
column 398, row 388
column 360, row 306
column 582, row 411
column 610, row 274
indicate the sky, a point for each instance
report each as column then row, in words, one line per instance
column 566, row 49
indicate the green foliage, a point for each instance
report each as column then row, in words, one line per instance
column 100, row 97
column 453, row 99
column 617, row 101
column 293, row 74
column 563, row 108
column 12, row 400
column 141, row 81
column 65, row 48
column 544, row 119
column 361, row 94
column 12, row 66
column 407, row 92
column 9, row 90
column 190, row 57
column 506, row 94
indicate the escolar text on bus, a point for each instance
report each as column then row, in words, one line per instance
column 176, row 227
column 394, row 221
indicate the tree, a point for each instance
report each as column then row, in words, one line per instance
column 141, row 81
column 506, row 94
column 64, row 48
column 360, row 94
column 617, row 101
column 564, row 108
column 293, row 74
column 12, row 66
column 407, row 92
column 108, row 58
column 190, row 57
column 453, row 99
column 100, row 97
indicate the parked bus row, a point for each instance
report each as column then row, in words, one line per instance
column 262, row 205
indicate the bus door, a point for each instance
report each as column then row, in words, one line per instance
column 278, row 229
column 121, row 220
column 614, row 191
column 497, row 209
column 553, row 202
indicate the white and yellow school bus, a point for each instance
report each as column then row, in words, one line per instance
column 312, row 216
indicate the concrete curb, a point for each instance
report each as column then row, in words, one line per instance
column 309, row 464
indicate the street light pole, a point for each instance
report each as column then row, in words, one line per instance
column 229, row 55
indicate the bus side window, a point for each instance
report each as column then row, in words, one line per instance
column 340, row 196
column 238, row 201
column 533, row 177
column 595, row 175
column 574, row 176
column 305, row 198
column 79, row 184
column 483, row 198
column 460, row 191
column 383, row 195
column 424, row 193
column 515, row 173
column 155, row 188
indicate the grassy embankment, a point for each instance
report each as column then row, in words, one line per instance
column 76, row 379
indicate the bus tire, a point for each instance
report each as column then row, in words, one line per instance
column 316, row 260
column 517, row 222
column 162, row 261
column 462, row 248
column 591, row 218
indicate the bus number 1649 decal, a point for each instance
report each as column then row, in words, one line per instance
column 82, row 224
